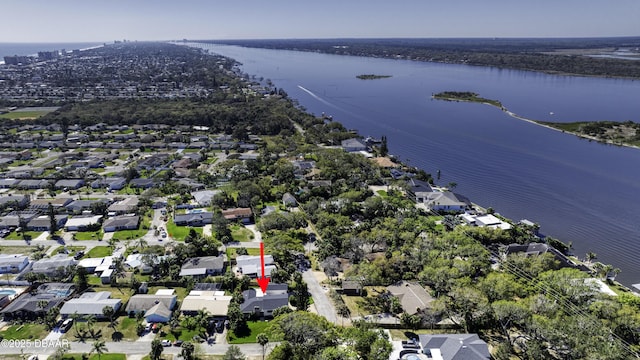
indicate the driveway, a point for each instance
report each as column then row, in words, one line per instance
column 321, row 301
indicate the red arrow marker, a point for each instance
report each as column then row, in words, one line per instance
column 263, row 281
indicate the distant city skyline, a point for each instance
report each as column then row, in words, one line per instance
column 98, row 21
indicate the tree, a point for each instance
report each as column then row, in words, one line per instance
column 156, row 349
column 188, row 350
column 234, row 353
column 263, row 340
column 237, row 321
column 82, row 281
column 300, row 292
column 110, row 313
column 508, row 314
column 53, row 224
column 99, row 347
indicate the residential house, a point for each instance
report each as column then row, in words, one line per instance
column 193, row 219
column 90, row 264
column 17, row 219
column 142, row 183
column 9, row 183
column 32, row 184
column 13, row 263
column 126, row 206
column 204, row 197
column 486, row 220
column 412, row 296
column 262, row 304
column 244, row 215
column 34, row 304
column 15, row 201
column 203, row 266
column 82, row 223
column 252, row 265
column 216, row 303
column 353, row 145
column 56, row 266
column 107, row 276
column 90, row 303
column 535, row 249
column 69, row 184
column 79, row 206
column 144, row 263
column 418, row 190
column 59, row 204
column 454, row 346
column 288, row 200
column 110, row 183
column 444, row 201
column 156, row 307
column 352, row 288
column 121, row 223
column 43, row 222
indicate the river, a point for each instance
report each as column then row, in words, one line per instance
column 578, row 191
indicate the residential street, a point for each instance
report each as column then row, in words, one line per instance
column 321, row 301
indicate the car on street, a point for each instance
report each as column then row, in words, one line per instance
column 166, row 342
column 177, row 343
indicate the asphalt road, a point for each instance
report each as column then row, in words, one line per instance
column 321, row 301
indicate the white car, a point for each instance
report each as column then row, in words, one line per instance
column 165, row 342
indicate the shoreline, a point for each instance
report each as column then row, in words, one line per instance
column 540, row 123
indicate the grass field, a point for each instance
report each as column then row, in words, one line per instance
column 256, row 327
column 17, row 115
column 88, row 235
column 14, row 235
column 240, row 233
column 180, row 232
column 99, row 251
column 16, row 249
column 25, row 331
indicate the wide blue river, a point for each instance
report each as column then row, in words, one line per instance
column 578, row 191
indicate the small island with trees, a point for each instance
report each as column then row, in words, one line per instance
column 625, row 133
column 467, row 96
column 372, row 76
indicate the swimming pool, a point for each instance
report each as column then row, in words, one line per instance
column 7, row 292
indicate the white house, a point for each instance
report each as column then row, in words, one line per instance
column 13, row 263
column 81, row 223
column 251, row 265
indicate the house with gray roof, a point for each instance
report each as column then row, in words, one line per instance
column 353, row 145
column 29, row 304
column 127, row 205
column 33, row 184
column 203, row 266
column 69, row 184
column 90, row 303
column 204, row 197
column 43, row 204
column 412, row 296
column 121, row 223
column 142, row 183
column 454, row 347
column 82, row 223
column 43, row 222
column 9, row 183
column 147, row 302
column 111, row 183
column 78, row 206
column 16, row 201
column 193, row 219
column 262, row 305
column 56, row 266
column 13, row 263
column 17, row 219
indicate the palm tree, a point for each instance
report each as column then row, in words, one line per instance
column 91, row 320
column 99, row 347
column 75, row 317
column 156, row 349
column 263, row 340
column 590, row 256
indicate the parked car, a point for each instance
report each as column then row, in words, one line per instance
column 66, row 325
column 177, row 343
column 166, row 342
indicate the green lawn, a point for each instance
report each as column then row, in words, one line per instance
column 133, row 234
column 14, row 235
column 25, row 331
column 16, row 249
column 180, row 232
column 16, row 115
column 256, row 327
column 240, row 233
column 99, row 251
column 89, row 235
column 181, row 334
column 71, row 249
column 125, row 331
column 232, row 252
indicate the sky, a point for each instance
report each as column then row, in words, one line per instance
column 108, row 20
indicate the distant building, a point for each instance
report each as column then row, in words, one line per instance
column 454, row 346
